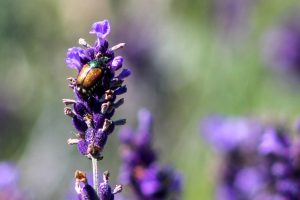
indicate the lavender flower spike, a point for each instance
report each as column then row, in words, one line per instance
column 140, row 169
column 96, row 89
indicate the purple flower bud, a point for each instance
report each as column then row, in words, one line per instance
column 100, row 138
column 121, row 90
column 82, row 147
column 105, row 192
column 274, row 143
column 101, row 45
column 90, row 53
column 76, row 58
column 94, row 105
column 98, row 121
column 79, row 124
column 101, row 29
column 117, row 63
column 125, row 73
column 88, row 193
column 110, row 54
column 80, row 109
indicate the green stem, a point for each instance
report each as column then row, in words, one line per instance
column 95, row 174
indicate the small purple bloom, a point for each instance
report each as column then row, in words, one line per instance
column 117, row 63
column 101, row 29
column 274, row 143
column 76, row 57
column 125, row 73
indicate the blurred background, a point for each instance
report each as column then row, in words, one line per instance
column 188, row 59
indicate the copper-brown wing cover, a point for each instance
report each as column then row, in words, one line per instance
column 88, row 76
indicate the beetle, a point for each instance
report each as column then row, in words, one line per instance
column 90, row 76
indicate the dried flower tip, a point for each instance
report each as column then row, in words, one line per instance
column 118, row 189
column 95, row 151
column 68, row 111
column 106, row 124
column 104, row 107
column 72, row 141
column 80, row 176
column 106, row 176
column 82, row 42
column 108, row 95
column 72, row 80
column 118, row 46
column 68, row 101
column 88, row 118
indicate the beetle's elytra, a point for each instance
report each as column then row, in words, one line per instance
column 90, row 76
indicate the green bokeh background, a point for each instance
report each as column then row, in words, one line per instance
column 198, row 69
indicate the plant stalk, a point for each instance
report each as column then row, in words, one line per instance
column 95, row 174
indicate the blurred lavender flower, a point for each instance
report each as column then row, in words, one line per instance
column 9, row 182
column 96, row 89
column 229, row 134
column 269, row 169
column 281, row 46
column 140, row 169
column 232, row 16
